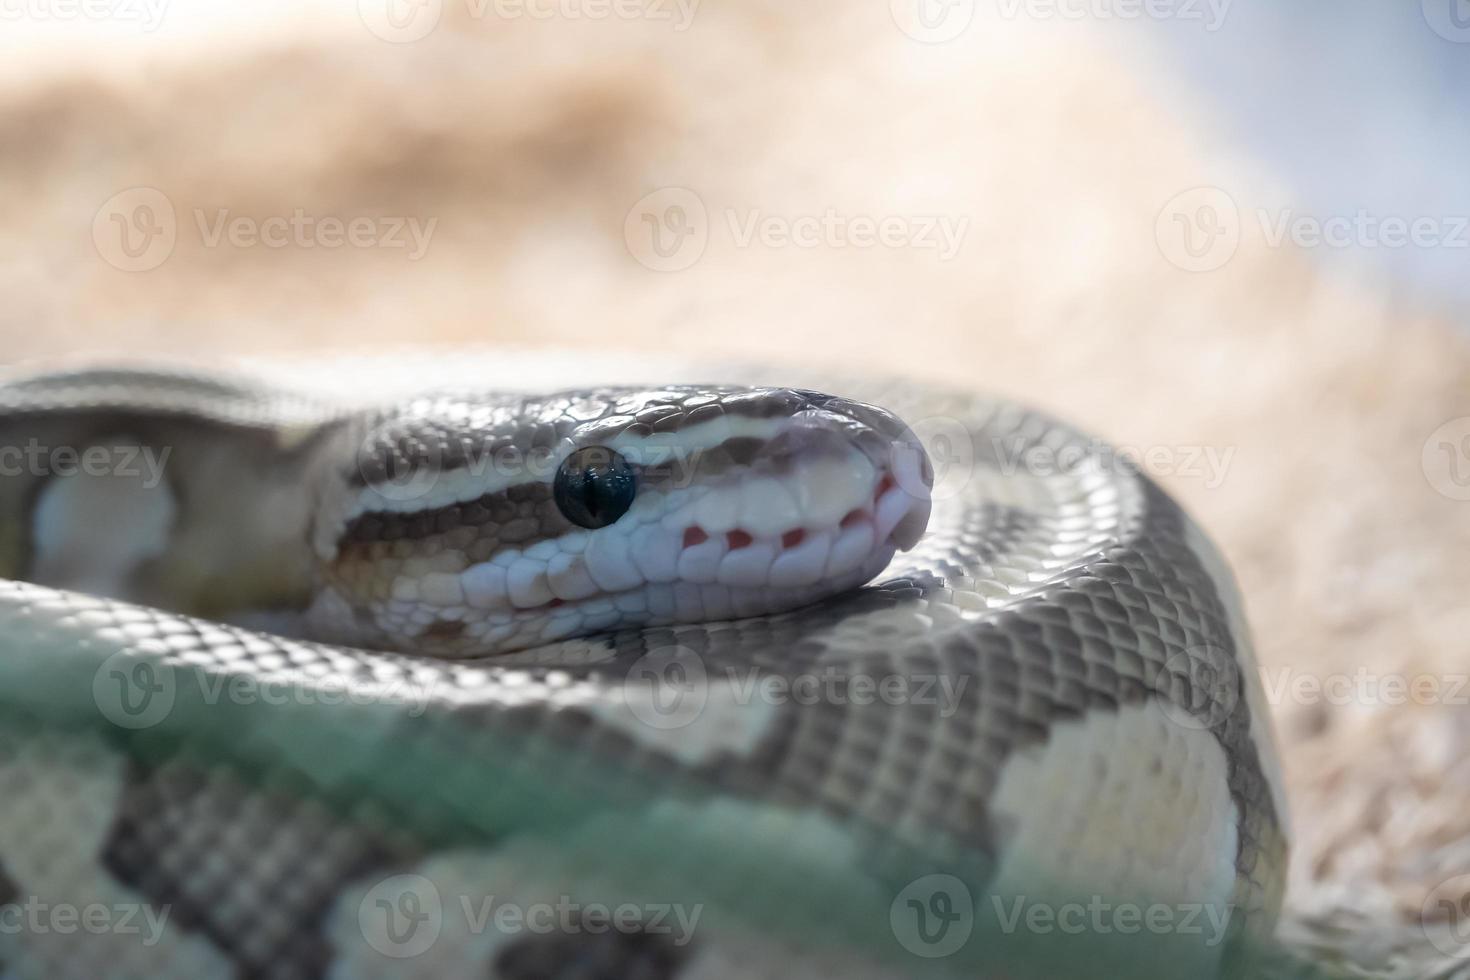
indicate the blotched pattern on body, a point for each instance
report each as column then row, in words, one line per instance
column 1049, row 699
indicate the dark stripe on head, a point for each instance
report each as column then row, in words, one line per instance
column 464, row 435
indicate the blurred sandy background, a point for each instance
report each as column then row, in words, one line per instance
column 539, row 157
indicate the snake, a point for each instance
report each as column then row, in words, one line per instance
column 545, row 665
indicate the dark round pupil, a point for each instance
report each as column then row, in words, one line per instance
column 594, row 487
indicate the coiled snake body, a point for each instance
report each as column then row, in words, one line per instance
column 583, row 684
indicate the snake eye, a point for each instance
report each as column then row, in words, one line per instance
column 594, row 486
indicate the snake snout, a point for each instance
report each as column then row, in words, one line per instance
column 838, row 443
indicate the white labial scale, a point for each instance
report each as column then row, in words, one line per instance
column 852, row 546
column 567, row 577
column 802, row 565
column 656, row 552
column 831, row 487
column 748, row 567
column 701, row 563
column 484, row 586
column 610, row 561
column 767, row 508
column 544, row 550
column 717, row 511
column 892, row 507
column 526, row 583
column 648, row 506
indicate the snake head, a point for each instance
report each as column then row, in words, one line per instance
column 475, row 529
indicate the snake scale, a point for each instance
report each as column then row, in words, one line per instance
column 538, row 666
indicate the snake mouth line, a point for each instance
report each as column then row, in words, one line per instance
column 892, row 519
column 670, row 568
